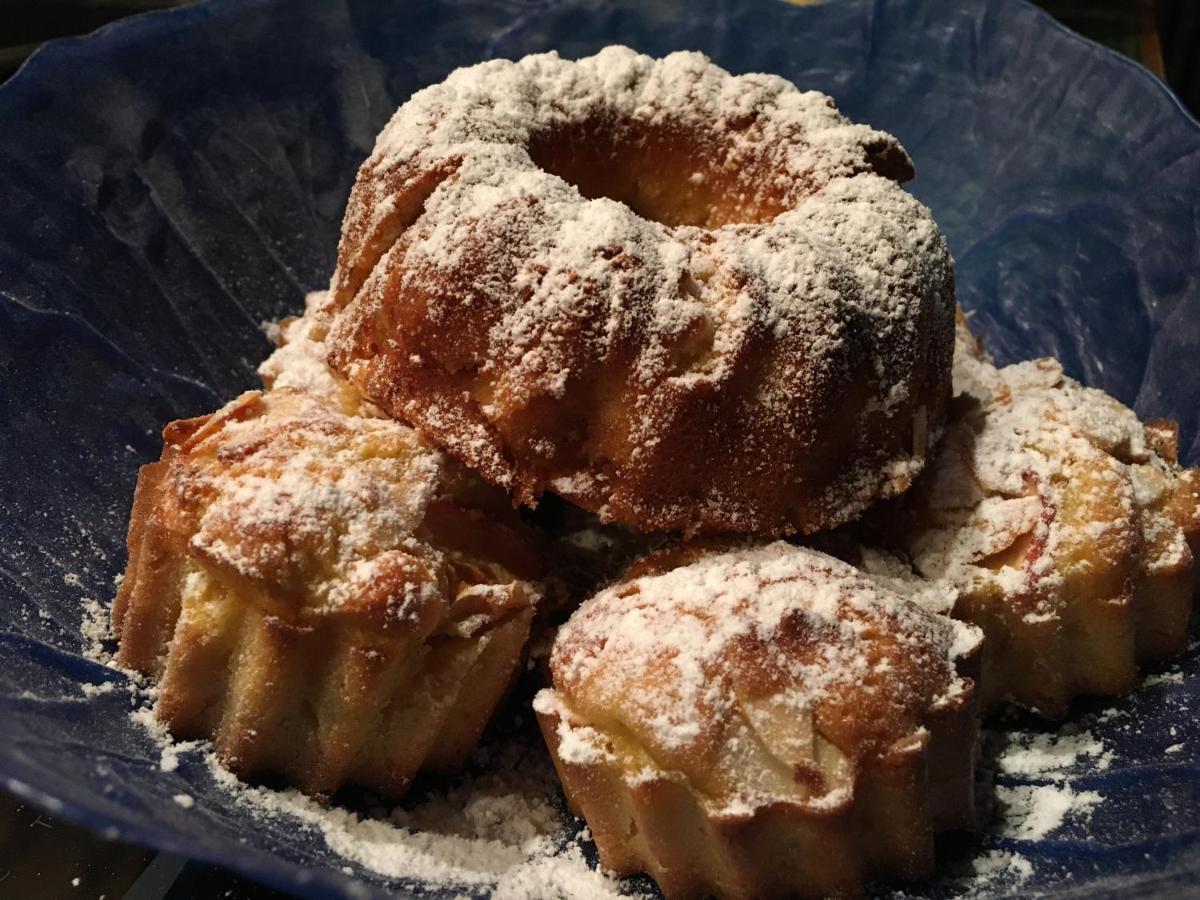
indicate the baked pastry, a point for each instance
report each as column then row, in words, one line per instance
column 322, row 595
column 1066, row 526
column 299, row 362
column 761, row 721
column 973, row 373
column 678, row 298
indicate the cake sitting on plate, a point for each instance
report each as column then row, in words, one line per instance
column 620, row 356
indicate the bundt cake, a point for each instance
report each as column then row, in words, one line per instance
column 322, row 595
column 761, row 721
column 681, row 299
column 1066, row 526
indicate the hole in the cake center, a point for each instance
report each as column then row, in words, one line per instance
column 664, row 173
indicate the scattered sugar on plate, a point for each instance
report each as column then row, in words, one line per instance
column 1043, row 765
column 998, row 863
column 96, row 629
column 95, row 690
column 1162, row 678
column 1031, row 812
column 500, row 830
column 1052, row 755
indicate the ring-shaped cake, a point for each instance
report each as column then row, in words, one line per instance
column 679, row 298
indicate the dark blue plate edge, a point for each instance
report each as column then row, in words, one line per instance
column 1134, row 66
column 142, row 24
column 66, row 50
column 267, row 868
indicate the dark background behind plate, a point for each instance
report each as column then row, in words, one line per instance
column 1163, row 35
column 175, row 180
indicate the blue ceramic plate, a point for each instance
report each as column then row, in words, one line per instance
column 170, row 182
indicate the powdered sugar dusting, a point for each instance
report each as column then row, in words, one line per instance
column 299, row 362
column 1040, row 469
column 500, row 830
column 998, row 865
column 895, row 574
column 829, row 272
column 1031, row 812
column 1037, row 796
column 1053, row 756
column 289, row 490
column 504, row 103
column 674, row 656
column 96, row 628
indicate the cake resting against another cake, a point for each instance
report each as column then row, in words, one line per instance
column 682, row 300
column 1066, row 527
column 601, row 333
column 762, row 720
column 323, row 595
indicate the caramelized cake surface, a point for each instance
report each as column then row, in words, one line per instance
column 762, row 721
column 681, row 299
column 323, row 595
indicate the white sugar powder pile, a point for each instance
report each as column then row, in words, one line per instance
column 1050, row 761
column 500, row 830
column 1052, row 756
column 96, row 629
column 1030, row 812
column 996, row 864
column 1162, row 678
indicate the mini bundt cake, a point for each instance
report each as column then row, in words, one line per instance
column 761, row 721
column 322, row 595
column 681, row 299
column 1066, row 527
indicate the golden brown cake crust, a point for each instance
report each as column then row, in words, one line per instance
column 323, row 595
column 717, row 706
column 1066, row 526
column 738, row 323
